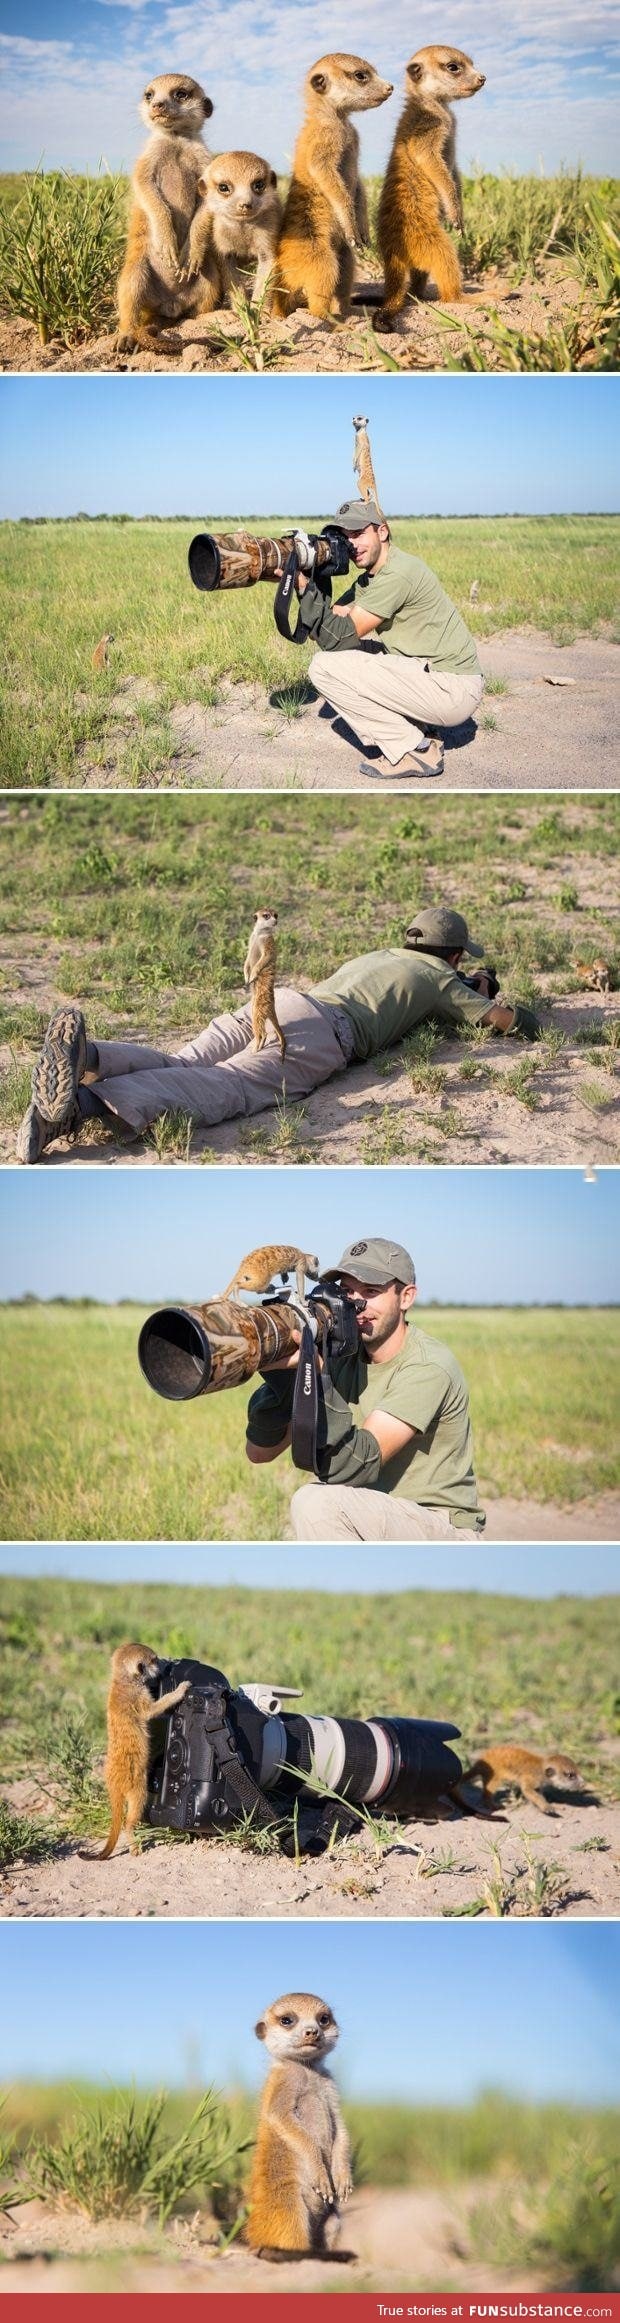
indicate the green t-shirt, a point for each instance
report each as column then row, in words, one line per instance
column 385, row 994
column 424, row 1386
column 416, row 615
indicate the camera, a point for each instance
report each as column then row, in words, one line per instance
column 188, row 1351
column 227, row 1754
column 236, row 560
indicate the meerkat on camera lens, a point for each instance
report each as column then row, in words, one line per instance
column 163, row 274
column 421, row 184
column 301, row 2171
column 508, row 1767
column 133, row 1707
column 256, row 1271
column 240, row 193
column 259, row 971
column 325, row 213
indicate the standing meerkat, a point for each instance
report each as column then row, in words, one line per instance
column 301, row 2170
column 133, row 1707
column 256, row 1271
column 508, row 1767
column 362, row 463
column 162, row 275
column 101, row 655
column 325, row 213
column 259, row 971
column 244, row 211
column 422, row 183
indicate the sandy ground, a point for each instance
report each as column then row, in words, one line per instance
column 421, row 343
column 430, row 1869
column 404, row 2238
column 554, row 728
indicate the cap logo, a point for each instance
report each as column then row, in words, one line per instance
column 358, row 1248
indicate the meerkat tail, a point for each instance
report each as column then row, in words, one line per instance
column 113, row 1834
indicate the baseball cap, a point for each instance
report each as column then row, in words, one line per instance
column 374, row 1261
column 444, row 927
column 354, row 515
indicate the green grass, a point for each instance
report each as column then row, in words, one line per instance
column 116, row 2160
column 502, row 1667
column 572, row 2231
column 91, row 1453
column 65, row 583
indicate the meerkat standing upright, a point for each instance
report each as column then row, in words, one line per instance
column 422, row 183
column 163, row 274
column 325, row 213
column 362, row 463
column 244, row 210
column 301, row 2171
column 259, row 970
column 132, row 1710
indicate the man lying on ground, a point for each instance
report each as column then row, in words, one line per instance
column 368, row 1005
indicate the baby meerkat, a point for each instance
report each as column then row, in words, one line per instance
column 325, row 213
column 240, row 192
column 422, row 184
column 301, row 2171
column 595, row 975
column 101, row 655
column 162, row 274
column 259, row 971
column 256, row 1271
column 133, row 1707
column 510, row 1768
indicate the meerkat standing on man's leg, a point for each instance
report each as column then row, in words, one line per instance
column 422, row 183
column 163, row 274
column 325, row 213
column 242, row 204
column 132, row 1710
column 301, row 2171
column 259, row 971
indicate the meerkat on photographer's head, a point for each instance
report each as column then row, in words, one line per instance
column 240, row 191
column 421, row 184
column 164, row 276
column 133, row 1707
column 325, row 213
column 301, row 2171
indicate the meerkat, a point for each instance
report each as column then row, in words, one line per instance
column 594, row 974
column 240, row 193
column 101, row 654
column 508, row 1767
column 259, row 970
column 256, row 1271
column 133, row 1707
column 301, row 2171
column 165, row 271
column 422, row 184
column 362, row 463
column 325, row 213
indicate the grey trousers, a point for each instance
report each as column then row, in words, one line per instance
column 219, row 1073
column 389, row 698
column 353, row 1512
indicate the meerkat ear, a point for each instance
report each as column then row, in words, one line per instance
column 260, row 2029
column 319, row 82
column 207, row 106
column 414, row 72
column 273, row 177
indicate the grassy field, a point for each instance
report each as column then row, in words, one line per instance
column 90, row 1453
column 495, row 1664
column 61, row 241
column 67, row 583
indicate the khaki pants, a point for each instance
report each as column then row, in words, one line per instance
column 350, row 1512
column 389, row 698
column 219, row 1074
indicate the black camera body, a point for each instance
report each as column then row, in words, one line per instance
column 196, row 1779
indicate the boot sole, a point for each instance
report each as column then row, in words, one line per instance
column 59, row 1069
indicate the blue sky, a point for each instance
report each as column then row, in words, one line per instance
column 477, row 1236
column 150, row 2000
column 74, row 75
column 526, row 1571
column 265, row 446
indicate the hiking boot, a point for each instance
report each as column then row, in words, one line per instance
column 59, row 1069
column 34, row 1134
column 427, row 762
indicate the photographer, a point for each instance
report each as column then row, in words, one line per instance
column 368, row 1005
column 405, row 659
column 406, row 1473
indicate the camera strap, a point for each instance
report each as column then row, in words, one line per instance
column 286, row 590
column 305, row 1412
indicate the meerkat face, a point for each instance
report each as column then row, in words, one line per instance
column 175, row 103
column 445, row 73
column 138, row 1664
column 266, row 919
column 563, row 1772
column 239, row 185
column 300, row 2026
column 349, row 82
